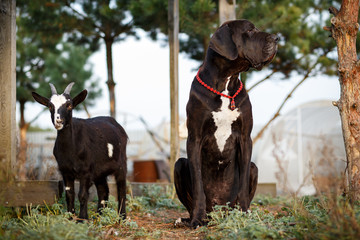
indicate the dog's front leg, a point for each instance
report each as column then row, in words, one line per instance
column 198, row 213
column 244, row 159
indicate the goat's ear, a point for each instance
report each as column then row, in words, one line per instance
column 40, row 99
column 79, row 98
column 222, row 43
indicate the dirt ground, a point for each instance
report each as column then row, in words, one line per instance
column 160, row 225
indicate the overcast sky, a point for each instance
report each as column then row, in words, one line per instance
column 141, row 73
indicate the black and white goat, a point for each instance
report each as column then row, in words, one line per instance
column 88, row 150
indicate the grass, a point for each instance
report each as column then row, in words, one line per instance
column 152, row 216
column 287, row 218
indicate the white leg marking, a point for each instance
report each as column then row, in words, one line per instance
column 110, row 149
column 102, row 202
column 223, row 119
column 67, row 188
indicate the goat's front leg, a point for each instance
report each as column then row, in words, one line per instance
column 85, row 184
column 69, row 193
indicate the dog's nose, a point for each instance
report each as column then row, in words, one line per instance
column 272, row 38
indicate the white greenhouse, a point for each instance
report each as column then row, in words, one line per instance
column 302, row 150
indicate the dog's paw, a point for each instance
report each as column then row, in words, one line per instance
column 196, row 223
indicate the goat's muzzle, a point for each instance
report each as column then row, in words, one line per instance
column 58, row 124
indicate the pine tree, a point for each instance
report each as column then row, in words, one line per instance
column 344, row 29
column 101, row 19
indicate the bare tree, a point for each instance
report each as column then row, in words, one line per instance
column 344, row 27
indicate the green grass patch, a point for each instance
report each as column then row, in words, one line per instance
column 287, row 218
column 152, row 214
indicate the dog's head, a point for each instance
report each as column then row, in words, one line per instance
column 240, row 38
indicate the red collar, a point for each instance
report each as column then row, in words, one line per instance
column 232, row 105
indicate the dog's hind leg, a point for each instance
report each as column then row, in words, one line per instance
column 182, row 179
column 253, row 180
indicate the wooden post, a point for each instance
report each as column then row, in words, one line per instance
column 7, row 88
column 227, row 10
column 173, row 20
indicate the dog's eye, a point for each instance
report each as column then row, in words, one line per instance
column 251, row 31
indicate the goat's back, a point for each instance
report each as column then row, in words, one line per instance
column 96, row 143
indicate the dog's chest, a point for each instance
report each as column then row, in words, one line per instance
column 223, row 119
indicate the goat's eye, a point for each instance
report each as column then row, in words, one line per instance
column 68, row 106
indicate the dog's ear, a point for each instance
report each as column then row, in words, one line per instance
column 222, row 43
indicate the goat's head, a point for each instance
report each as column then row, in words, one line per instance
column 60, row 106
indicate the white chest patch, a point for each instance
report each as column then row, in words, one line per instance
column 110, row 149
column 223, row 119
column 57, row 101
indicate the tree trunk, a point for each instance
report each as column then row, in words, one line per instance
column 227, row 10
column 110, row 82
column 344, row 27
column 23, row 143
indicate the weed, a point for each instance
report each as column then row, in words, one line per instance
column 154, row 197
column 254, row 224
column 266, row 200
column 295, row 218
column 46, row 225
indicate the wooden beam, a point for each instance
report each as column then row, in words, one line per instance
column 7, row 89
column 173, row 20
column 23, row 193
column 136, row 189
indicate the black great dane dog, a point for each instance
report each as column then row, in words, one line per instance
column 219, row 121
